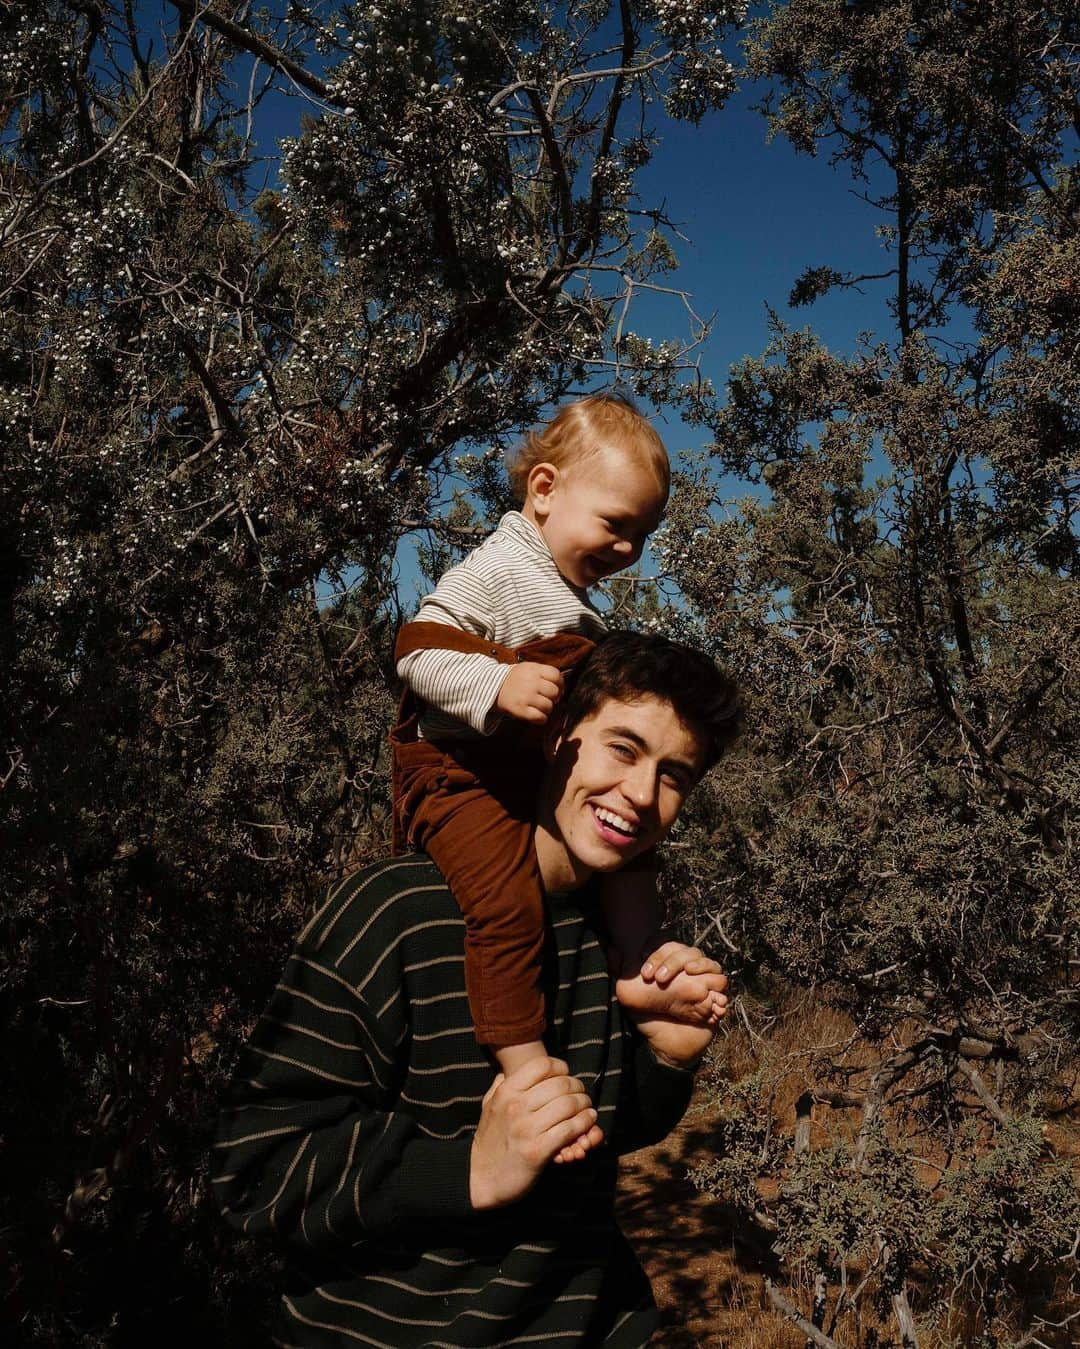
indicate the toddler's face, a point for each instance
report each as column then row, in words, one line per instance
column 598, row 513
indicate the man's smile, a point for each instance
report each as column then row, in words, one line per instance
column 610, row 823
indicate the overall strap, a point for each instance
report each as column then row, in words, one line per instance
column 445, row 637
column 562, row 649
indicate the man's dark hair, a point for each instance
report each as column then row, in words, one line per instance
column 628, row 666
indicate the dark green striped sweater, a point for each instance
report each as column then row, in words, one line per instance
column 348, row 1129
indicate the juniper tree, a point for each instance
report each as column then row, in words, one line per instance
column 900, row 597
column 233, row 377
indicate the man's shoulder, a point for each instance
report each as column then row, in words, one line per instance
column 374, row 908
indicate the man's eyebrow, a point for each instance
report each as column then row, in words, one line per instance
column 628, row 734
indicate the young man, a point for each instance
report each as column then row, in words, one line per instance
column 417, row 1198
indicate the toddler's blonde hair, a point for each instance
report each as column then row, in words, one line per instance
column 584, row 428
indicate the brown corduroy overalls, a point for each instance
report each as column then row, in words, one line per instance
column 471, row 805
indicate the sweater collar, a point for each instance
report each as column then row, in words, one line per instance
column 528, row 540
column 525, row 536
column 525, row 533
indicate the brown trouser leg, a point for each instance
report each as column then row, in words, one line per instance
column 471, row 807
column 477, row 827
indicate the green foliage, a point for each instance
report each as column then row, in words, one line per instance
column 834, row 1211
column 1005, row 1209
column 744, row 1147
column 230, row 383
column 899, row 598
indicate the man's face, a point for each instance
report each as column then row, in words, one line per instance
column 618, row 782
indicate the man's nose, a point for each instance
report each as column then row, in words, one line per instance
column 623, row 547
column 640, row 785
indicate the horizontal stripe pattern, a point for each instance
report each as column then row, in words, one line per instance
column 508, row 590
column 347, row 1131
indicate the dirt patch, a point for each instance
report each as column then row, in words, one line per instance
column 707, row 1276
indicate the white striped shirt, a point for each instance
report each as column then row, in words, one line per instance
column 508, row 590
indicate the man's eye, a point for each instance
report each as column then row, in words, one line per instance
column 675, row 780
column 623, row 751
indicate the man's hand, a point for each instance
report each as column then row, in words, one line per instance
column 525, row 1120
column 530, row 692
column 678, row 1034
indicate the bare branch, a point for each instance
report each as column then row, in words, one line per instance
column 791, row 1313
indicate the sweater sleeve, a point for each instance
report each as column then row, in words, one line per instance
column 461, row 684
column 653, row 1099
column 309, row 1148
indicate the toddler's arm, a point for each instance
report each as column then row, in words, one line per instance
column 464, row 685
column 472, row 687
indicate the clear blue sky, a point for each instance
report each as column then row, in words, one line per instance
column 757, row 215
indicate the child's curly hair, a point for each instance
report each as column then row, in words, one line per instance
column 584, row 428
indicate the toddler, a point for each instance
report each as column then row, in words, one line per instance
column 486, row 660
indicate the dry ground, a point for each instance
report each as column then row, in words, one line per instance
column 709, row 1280
column 710, row 1288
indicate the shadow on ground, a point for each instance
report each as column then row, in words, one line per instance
column 706, row 1269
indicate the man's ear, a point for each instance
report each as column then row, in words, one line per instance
column 553, row 735
column 539, row 486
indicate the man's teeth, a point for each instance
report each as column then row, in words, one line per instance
column 616, row 821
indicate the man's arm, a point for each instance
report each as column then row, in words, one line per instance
column 657, row 1088
column 310, row 1147
column 653, row 1098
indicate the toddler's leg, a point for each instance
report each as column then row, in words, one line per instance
column 632, row 909
column 484, row 848
column 489, row 862
column 643, row 983
column 512, row 1057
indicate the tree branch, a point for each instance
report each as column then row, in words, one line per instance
column 791, row 1313
column 257, row 46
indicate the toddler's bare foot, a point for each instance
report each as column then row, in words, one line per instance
column 575, row 1151
column 676, row 982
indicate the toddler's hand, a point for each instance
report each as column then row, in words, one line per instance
column 530, row 692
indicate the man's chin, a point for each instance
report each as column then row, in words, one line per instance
column 611, row 859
